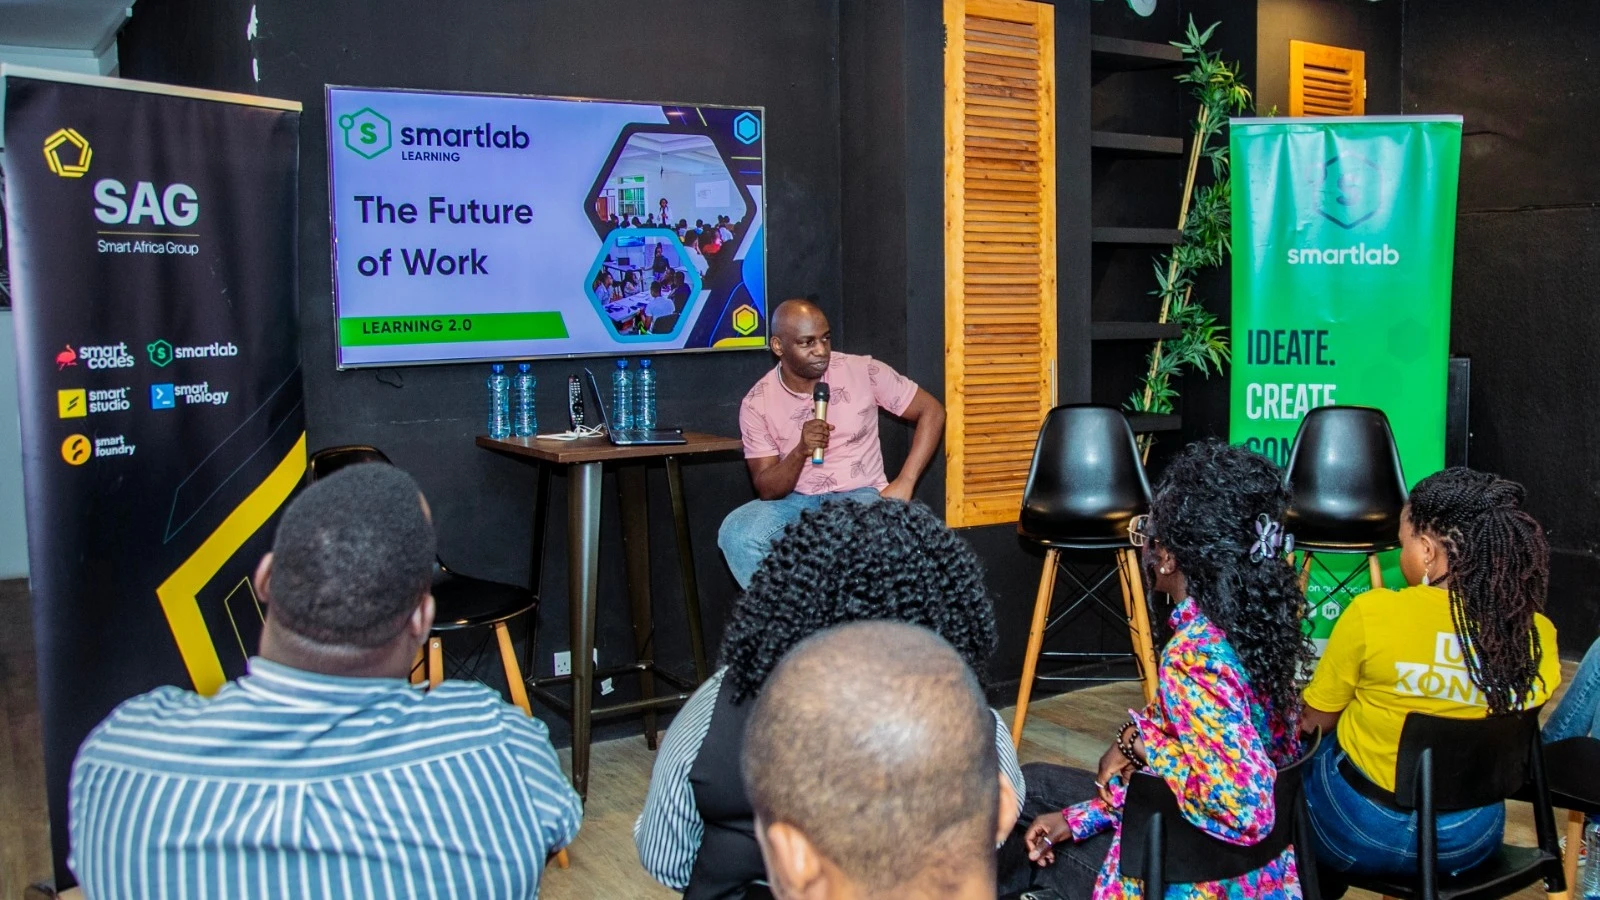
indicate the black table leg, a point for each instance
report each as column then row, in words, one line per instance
column 583, row 579
column 691, row 587
column 632, row 490
column 541, row 516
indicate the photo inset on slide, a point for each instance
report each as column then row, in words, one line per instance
column 678, row 182
column 642, row 282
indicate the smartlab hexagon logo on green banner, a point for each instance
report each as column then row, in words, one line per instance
column 366, row 132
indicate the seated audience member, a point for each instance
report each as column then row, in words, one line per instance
column 680, row 289
column 691, row 247
column 710, row 243
column 323, row 772
column 1224, row 716
column 650, row 221
column 636, row 222
column 870, row 769
column 1477, row 567
column 1578, row 713
column 844, row 562
column 780, row 433
column 723, row 234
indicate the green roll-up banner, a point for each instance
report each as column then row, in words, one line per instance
column 1343, row 241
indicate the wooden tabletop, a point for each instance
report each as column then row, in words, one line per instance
column 600, row 449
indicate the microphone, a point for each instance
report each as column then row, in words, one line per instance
column 819, row 396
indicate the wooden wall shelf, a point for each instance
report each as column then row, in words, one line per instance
column 1122, row 55
column 1154, row 237
column 1135, row 331
column 1116, row 143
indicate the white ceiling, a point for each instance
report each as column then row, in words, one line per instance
column 62, row 24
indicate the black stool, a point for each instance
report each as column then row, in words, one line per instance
column 1455, row 764
column 1572, row 771
column 464, row 603
column 1348, row 488
column 1085, row 486
column 1161, row 847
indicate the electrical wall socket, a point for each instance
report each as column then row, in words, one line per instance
column 563, row 661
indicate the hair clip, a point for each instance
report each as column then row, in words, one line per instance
column 1271, row 539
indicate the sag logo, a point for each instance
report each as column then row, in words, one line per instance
column 1352, row 190
column 72, row 403
column 75, row 449
column 366, row 132
column 55, row 143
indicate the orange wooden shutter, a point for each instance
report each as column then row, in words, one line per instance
column 1326, row 81
column 1000, row 250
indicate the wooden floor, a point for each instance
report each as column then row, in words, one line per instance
column 1069, row 729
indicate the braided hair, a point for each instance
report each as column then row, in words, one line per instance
column 849, row 561
column 1499, row 574
column 1204, row 513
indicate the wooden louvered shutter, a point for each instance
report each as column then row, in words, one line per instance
column 1000, row 250
column 1326, row 81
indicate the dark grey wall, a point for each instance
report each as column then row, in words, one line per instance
column 1527, row 256
column 781, row 54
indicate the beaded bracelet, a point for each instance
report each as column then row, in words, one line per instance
column 1125, row 745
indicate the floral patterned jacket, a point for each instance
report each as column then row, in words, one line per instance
column 1208, row 736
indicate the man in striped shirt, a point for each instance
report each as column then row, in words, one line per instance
column 323, row 772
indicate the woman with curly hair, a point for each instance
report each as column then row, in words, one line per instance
column 1224, row 716
column 1466, row 639
column 843, row 562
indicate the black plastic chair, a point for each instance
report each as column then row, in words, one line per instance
column 1348, row 488
column 1446, row 765
column 1572, row 773
column 464, row 603
column 1161, row 847
column 1085, row 486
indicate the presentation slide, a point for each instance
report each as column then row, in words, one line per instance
column 471, row 227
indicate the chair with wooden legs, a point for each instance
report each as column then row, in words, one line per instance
column 1085, row 486
column 1572, row 772
column 1348, row 489
column 463, row 603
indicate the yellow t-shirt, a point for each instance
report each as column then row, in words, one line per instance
column 1394, row 652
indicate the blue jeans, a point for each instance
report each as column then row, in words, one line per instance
column 1578, row 713
column 747, row 533
column 1353, row 834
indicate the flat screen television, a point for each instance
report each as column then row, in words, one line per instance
column 470, row 227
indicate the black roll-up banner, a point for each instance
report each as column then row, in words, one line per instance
column 152, row 250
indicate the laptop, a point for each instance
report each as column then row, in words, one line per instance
column 631, row 437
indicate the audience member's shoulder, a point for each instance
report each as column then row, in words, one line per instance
column 163, row 705
column 481, row 698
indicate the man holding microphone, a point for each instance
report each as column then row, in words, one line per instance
column 788, row 424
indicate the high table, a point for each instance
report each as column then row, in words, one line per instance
column 584, row 459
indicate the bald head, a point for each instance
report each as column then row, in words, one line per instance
column 873, row 741
column 802, row 339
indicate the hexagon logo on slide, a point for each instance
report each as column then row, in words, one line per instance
column 665, row 177
column 747, row 128
column 366, row 132
column 641, row 283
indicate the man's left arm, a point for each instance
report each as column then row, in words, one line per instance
column 928, row 416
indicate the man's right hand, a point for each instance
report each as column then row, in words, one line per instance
column 814, row 435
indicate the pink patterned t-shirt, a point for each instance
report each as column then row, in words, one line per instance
column 771, row 416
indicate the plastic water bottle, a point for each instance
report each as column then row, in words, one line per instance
column 525, row 419
column 499, row 402
column 1589, row 880
column 622, row 396
column 647, row 395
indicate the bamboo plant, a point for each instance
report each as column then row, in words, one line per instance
column 1203, row 223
